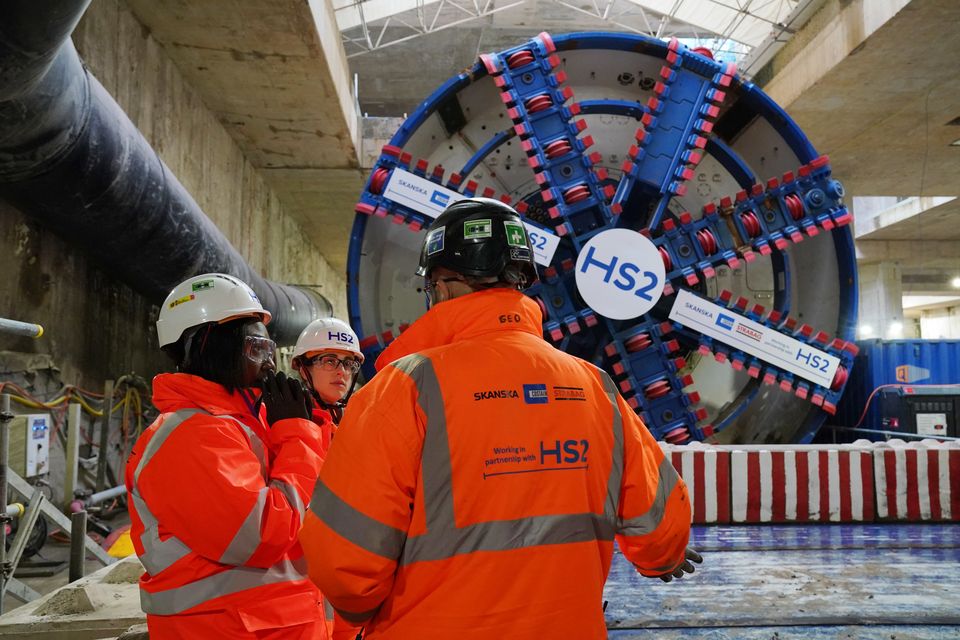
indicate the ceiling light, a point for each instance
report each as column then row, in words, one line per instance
column 865, row 331
column 955, row 283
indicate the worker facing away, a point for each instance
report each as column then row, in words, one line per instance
column 478, row 481
column 327, row 357
column 217, row 491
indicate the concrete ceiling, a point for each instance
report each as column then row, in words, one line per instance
column 267, row 70
column 941, row 223
column 395, row 79
column 880, row 99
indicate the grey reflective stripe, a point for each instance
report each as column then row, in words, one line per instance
column 444, row 539
column 615, row 481
column 158, row 554
column 503, row 535
column 291, row 494
column 360, row 529
column 180, row 599
column 247, row 538
column 160, row 436
column 259, row 449
column 436, row 468
column 642, row 525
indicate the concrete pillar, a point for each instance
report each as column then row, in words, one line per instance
column 881, row 301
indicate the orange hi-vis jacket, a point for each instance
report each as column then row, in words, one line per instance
column 342, row 629
column 476, row 485
column 216, row 501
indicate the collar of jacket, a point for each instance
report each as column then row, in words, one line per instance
column 466, row 317
column 175, row 391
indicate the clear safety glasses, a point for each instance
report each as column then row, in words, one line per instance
column 332, row 363
column 429, row 286
column 259, row 349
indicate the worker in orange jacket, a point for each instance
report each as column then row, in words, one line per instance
column 478, row 481
column 327, row 357
column 216, row 495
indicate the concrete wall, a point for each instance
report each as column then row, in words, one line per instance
column 96, row 326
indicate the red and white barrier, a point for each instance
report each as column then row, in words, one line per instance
column 706, row 471
column 860, row 482
column 917, row 480
column 802, row 484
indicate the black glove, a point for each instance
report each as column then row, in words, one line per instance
column 685, row 566
column 285, row 398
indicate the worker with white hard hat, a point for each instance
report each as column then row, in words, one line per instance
column 219, row 481
column 328, row 359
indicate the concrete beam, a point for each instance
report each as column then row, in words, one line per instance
column 871, row 84
column 901, row 212
column 922, row 253
column 835, row 32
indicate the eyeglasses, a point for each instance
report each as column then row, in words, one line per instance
column 429, row 286
column 332, row 363
column 259, row 349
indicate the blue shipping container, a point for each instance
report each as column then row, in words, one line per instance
column 906, row 362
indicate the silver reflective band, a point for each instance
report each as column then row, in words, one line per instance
column 255, row 443
column 291, row 494
column 505, row 535
column 362, row 530
column 158, row 554
column 642, row 525
column 247, row 538
column 180, row 599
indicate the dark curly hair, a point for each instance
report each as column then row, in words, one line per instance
column 213, row 351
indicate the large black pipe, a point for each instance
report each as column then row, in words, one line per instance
column 71, row 158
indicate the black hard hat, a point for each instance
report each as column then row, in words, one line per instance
column 479, row 237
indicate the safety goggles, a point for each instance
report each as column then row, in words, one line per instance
column 259, row 349
column 329, row 362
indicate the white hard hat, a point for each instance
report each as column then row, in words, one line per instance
column 211, row 297
column 328, row 333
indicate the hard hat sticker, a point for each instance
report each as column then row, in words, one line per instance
column 435, row 241
column 202, row 285
column 473, row 229
column 620, row 274
column 516, row 236
column 180, row 301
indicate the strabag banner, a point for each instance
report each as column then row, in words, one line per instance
column 740, row 332
column 430, row 199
